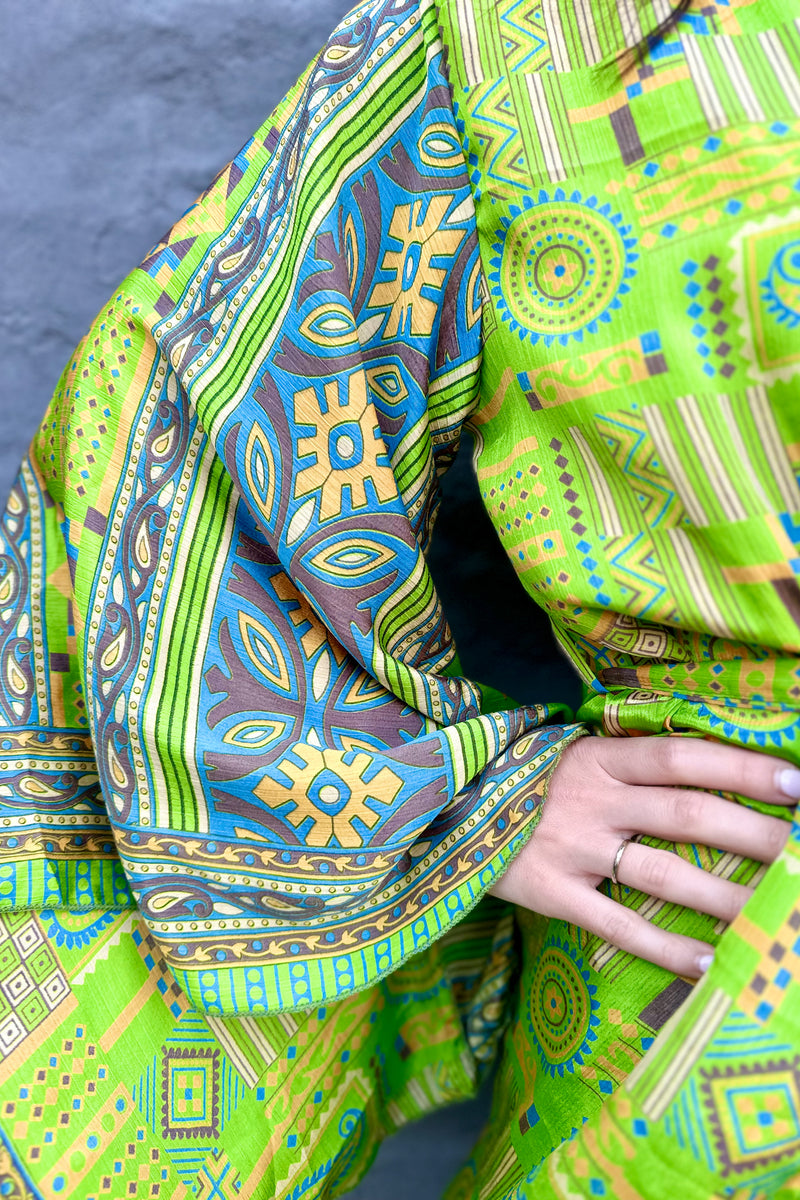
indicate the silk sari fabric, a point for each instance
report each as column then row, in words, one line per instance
column 249, row 815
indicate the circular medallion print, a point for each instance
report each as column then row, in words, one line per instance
column 782, row 285
column 561, row 1008
column 562, row 266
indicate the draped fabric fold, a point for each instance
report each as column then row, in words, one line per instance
column 224, row 657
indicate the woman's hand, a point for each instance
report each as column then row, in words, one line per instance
column 605, row 790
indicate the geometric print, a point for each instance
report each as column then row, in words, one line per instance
column 754, row 1113
column 767, row 992
column 190, row 1093
column 304, row 797
column 31, row 983
column 639, row 460
column 122, row 1098
column 766, row 263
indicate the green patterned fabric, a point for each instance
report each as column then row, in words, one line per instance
column 638, row 440
column 248, row 812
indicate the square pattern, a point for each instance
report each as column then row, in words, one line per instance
column 755, row 1114
column 190, row 1092
column 32, row 984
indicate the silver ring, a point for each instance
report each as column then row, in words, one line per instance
column 618, row 858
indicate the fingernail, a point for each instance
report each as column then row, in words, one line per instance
column 704, row 962
column 788, row 780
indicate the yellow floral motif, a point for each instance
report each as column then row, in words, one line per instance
column 419, row 230
column 333, row 793
column 346, row 444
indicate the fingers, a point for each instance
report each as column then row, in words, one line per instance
column 626, row 929
column 695, row 762
column 660, row 873
column 689, row 816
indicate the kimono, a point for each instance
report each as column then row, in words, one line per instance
column 250, row 810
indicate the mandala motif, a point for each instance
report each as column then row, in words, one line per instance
column 781, row 288
column 75, row 928
column 766, row 271
column 335, row 795
column 561, row 267
column 562, row 1008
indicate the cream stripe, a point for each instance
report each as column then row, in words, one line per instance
column 222, row 1032
column 774, row 448
column 708, row 455
column 256, row 1034
column 545, row 129
column 588, row 31
column 701, row 78
column 699, row 1035
column 696, row 583
column 555, row 35
column 612, row 525
column 657, row 429
column 738, row 76
column 289, row 1022
column 629, row 20
column 473, row 67
column 785, row 73
column 737, row 440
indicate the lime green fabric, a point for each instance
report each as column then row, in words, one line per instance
column 638, row 440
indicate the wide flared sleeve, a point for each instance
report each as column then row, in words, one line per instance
column 224, row 658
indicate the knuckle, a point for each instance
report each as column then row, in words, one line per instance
column 584, row 752
column 775, row 837
column 617, row 929
column 667, row 754
column 655, row 870
column 675, row 957
column 684, row 810
column 735, row 902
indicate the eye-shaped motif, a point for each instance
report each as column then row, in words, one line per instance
column 439, row 147
column 230, row 263
column 115, row 651
column 330, row 325
column 265, row 652
column 260, row 471
column 351, row 562
column 163, row 444
column 255, row 735
column 351, row 253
